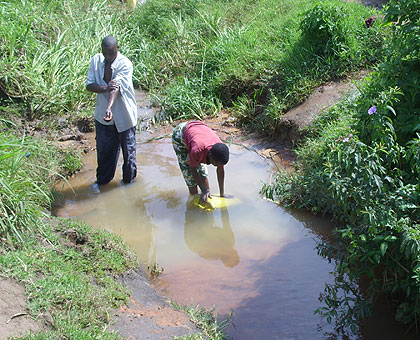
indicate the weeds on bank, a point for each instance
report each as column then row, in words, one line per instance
column 28, row 167
column 206, row 320
column 361, row 164
column 70, row 273
column 153, row 271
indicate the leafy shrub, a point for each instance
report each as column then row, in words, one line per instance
column 337, row 31
column 362, row 166
column 400, row 69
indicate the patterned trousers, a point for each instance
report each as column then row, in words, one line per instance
column 181, row 152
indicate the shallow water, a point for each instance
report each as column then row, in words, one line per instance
column 234, row 258
column 252, row 257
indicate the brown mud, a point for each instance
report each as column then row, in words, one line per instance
column 15, row 319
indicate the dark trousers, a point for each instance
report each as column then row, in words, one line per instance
column 108, row 144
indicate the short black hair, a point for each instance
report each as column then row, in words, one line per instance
column 220, row 153
column 109, row 42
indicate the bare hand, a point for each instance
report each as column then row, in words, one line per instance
column 112, row 85
column 205, row 196
column 108, row 115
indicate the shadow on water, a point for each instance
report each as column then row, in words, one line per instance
column 208, row 240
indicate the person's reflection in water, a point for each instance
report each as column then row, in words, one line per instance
column 206, row 239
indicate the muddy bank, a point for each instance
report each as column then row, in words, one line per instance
column 14, row 317
column 290, row 128
column 148, row 316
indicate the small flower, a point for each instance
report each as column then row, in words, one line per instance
column 372, row 110
column 369, row 21
column 351, row 135
column 346, row 140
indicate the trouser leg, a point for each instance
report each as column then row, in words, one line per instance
column 107, row 151
column 128, row 147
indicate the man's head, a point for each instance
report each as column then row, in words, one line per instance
column 219, row 154
column 109, row 48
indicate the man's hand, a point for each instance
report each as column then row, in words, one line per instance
column 112, row 85
column 205, row 196
column 112, row 88
column 108, row 115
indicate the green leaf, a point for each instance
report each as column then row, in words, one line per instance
column 384, row 247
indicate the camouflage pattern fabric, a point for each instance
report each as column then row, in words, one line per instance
column 181, row 152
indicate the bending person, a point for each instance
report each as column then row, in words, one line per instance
column 196, row 145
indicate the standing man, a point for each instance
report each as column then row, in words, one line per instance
column 110, row 77
column 195, row 145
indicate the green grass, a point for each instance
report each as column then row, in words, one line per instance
column 206, row 320
column 195, row 56
column 69, row 273
column 28, row 169
column 257, row 58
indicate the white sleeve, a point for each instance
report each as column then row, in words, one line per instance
column 124, row 76
column 91, row 73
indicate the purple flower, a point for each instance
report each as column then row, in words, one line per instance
column 345, row 140
column 351, row 135
column 372, row 110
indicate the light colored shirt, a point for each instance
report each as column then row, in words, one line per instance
column 199, row 139
column 124, row 109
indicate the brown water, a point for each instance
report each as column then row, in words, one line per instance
column 253, row 257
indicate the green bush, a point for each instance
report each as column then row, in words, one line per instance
column 400, row 69
column 361, row 165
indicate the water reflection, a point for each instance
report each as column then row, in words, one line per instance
column 210, row 241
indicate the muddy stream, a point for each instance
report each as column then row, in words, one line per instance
column 253, row 257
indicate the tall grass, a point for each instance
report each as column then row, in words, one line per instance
column 202, row 55
column 20, row 193
column 196, row 56
column 46, row 47
column 28, row 168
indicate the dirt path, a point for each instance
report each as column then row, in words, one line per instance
column 148, row 316
column 14, row 317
